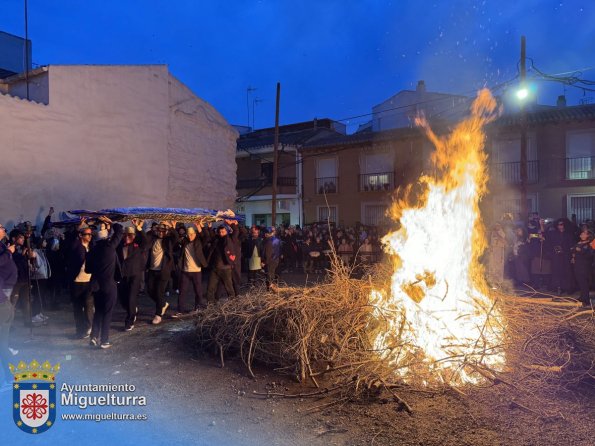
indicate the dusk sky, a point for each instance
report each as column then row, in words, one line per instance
column 334, row 58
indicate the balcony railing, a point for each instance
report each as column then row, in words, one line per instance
column 382, row 181
column 255, row 183
column 580, row 168
column 510, row 173
column 327, row 185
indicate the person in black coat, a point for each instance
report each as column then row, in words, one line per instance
column 253, row 252
column 582, row 261
column 237, row 236
column 102, row 264
column 132, row 260
column 192, row 261
column 520, row 257
column 22, row 258
column 272, row 255
column 220, row 259
column 160, row 263
column 559, row 242
column 79, row 282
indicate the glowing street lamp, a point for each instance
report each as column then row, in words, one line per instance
column 522, row 93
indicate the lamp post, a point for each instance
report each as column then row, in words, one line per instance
column 522, row 94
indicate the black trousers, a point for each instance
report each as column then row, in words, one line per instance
column 156, row 289
column 82, row 306
column 271, row 268
column 253, row 276
column 105, row 301
column 216, row 276
column 6, row 316
column 236, row 278
column 582, row 274
column 22, row 292
column 128, row 290
column 193, row 280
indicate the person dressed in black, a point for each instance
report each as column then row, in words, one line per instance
column 237, row 236
column 272, row 255
column 162, row 241
column 559, row 242
column 192, row 261
column 220, row 259
column 132, row 260
column 254, row 254
column 582, row 261
column 8, row 279
column 79, row 281
column 22, row 257
column 520, row 258
column 102, row 263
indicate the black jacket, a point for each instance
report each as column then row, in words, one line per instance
column 8, row 271
column 249, row 245
column 102, row 261
column 168, row 245
column 198, row 249
column 222, row 253
column 75, row 255
column 136, row 259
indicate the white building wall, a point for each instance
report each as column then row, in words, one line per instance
column 262, row 205
column 111, row 136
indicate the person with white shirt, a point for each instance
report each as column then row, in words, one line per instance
column 80, row 282
column 160, row 264
column 191, row 263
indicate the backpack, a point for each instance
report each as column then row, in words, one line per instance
column 41, row 267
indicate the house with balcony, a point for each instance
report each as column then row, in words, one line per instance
column 560, row 162
column 351, row 179
column 254, row 159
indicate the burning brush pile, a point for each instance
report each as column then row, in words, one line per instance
column 426, row 321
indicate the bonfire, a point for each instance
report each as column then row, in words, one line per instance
column 424, row 320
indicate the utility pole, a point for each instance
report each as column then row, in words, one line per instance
column 523, row 166
column 275, row 159
column 27, row 49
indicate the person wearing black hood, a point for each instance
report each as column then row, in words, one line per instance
column 559, row 243
column 102, row 263
column 220, row 260
column 132, row 258
column 582, row 261
column 8, row 279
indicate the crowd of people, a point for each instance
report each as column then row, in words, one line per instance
column 99, row 263
column 555, row 255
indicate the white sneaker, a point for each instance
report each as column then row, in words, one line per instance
column 13, row 351
column 43, row 316
column 37, row 319
column 156, row 320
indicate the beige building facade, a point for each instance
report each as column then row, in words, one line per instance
column 351, row 179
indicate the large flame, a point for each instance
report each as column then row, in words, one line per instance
column 442, row 326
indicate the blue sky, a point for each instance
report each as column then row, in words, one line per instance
column 334, row 58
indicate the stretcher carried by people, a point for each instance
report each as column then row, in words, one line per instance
column 161, row 214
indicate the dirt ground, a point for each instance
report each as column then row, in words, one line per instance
column 201, row 403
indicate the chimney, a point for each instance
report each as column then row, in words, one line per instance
column 561, row 102
column 421, row 86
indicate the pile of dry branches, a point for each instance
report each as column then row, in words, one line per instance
column 323, row 334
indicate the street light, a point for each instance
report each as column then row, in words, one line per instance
column 522, row 93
